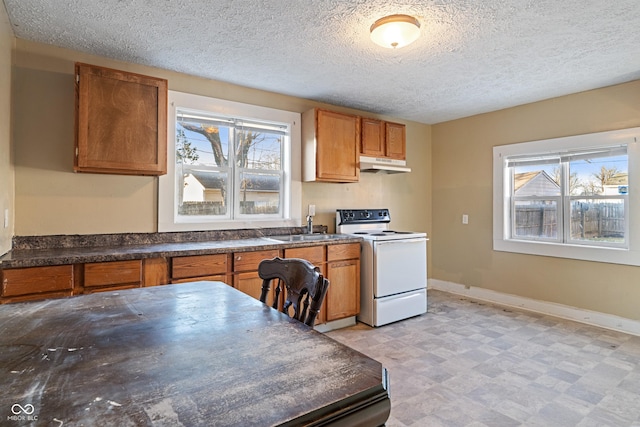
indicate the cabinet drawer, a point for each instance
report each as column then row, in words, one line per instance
column 198, row 265
column 313, row 254
column 248, row 261
column 23, row 281
column 112, row 273
column 343, row 251
column 214, row 278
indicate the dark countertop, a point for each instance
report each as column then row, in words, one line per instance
column 104, row 250
column 196, row 354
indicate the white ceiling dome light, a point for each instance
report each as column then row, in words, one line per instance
column 395, row 31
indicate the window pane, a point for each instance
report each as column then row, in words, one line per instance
column 259, row 194
column 536, row 219
column 540, row 180
column 202, row 141
column 599, row 175
column 258, row 150
column 203, row 192
column 598, row 220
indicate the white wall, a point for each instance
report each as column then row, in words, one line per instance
column 6, row 165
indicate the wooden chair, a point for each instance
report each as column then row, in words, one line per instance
column 305, row 286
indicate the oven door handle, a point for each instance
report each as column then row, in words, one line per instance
column 400, row 241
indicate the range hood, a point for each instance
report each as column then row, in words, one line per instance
column 383, row 165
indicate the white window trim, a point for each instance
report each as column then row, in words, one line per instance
column 167, row 210
column 501, row 206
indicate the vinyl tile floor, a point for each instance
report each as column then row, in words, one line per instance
column 471, row 363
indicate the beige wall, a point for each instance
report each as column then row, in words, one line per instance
column 462, row 183
column 51, row 199
column 6, row 167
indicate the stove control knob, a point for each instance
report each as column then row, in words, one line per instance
column 367, row 214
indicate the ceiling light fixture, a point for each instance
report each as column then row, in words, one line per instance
column 395, row 31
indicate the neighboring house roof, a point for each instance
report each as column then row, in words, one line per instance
column 619, row 179
column 206, row 179
column 255, row 182
column 535, row 183
column 521, row 179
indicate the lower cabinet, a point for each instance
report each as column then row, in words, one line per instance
column 111, row 276
column 340, row 263
column 343, row 272
column 200, row 267
column 33, row 283
column 245, row 270
column 316, row 255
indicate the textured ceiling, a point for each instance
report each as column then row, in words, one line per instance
column 473, row 56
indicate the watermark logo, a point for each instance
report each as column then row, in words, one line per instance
column 18, row 409
column 22, row 413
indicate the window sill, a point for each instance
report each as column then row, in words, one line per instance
column 611, row 255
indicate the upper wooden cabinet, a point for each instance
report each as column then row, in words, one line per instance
column 121, row 122
column 383, row 139
column 331, row 144
column 372, row 137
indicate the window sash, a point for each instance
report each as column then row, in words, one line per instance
column 235, row 195
column 565, row 156
column 563, row 202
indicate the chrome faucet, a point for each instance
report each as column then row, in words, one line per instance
column 309, row 224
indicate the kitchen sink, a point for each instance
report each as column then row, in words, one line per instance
column 306, row 237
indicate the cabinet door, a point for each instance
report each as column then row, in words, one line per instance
column 343, row 296
column 251, row 284
column 395, row 140
column 20, row 284
column 338, row 143
column 121, row 122
column 245, row 267
column 373, row 134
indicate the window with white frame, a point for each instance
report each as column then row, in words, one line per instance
column 569, row 197
column 230, row 165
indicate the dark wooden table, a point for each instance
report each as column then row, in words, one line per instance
column 192, row 354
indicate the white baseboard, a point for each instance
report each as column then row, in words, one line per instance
column 593, row 318
column 335, row 324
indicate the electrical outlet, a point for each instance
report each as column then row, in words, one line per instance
column 312, row 210
column 6, row 218
column 465, row 219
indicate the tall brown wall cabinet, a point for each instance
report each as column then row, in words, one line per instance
column 330, row 146
column 121, row 122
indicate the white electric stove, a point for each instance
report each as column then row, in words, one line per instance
column 393, row 269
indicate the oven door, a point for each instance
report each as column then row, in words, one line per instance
column 399, row 266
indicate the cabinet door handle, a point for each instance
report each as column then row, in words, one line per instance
column 238, row 258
